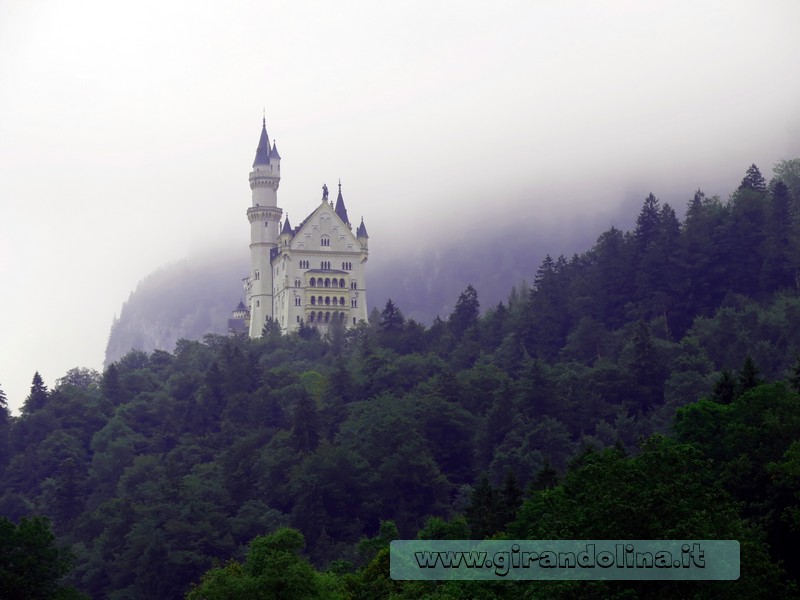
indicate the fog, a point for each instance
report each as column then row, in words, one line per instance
column 127, row 131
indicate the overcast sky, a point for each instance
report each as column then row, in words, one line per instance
column 127, row 129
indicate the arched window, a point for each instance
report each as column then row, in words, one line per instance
column 258, row 275
column 313, row 282
column 327, row 317
column 296, row 283
column 313, row 300
column 258, row 302
column 319, row 299
column 327, row 300
column 341, row 283
column 354, row 320
column 334, row 282
column 354, row 303
column 327, row 282
column 311, row 318
column 353, row 285
column 341, row 301
column 325, row 241
column 319, row 316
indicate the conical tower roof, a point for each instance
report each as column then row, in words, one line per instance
column 263, row 150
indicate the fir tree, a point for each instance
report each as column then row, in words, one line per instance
column 753, row 180
column 38, row 396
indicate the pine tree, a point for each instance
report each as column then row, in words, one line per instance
column 724, row 391
column 305, row 424
column 753, row 180
column 392, row 319
column 546, row 478
column 38, row 396
column 509, row 500
column 481, row 514
column 749, row 376
column 465, row 314
column 647, row 223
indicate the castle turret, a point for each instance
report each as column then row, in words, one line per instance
column 340, row 209
column 361, row 234
column 264, row 216
column 286, row 233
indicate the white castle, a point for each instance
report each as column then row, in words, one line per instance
column 314, row 273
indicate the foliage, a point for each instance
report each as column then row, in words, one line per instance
column 168, row 463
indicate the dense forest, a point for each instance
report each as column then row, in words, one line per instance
column 648, row 388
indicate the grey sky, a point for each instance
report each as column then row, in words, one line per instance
column 127, row 130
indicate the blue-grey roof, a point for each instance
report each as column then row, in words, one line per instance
column 286, row 227
column 262, row 152
column 340, row 209
column 241, row 306
column 362, row 230
column 274, row 152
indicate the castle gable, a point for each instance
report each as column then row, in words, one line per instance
column 323, row 228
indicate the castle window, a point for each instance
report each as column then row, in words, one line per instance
column 334, row 283
column 311, row 318
column 313, row 300
column 353, row 285
column 319, row 316
column 327, row 300
column 257, row 276
column 327, row 317
column 341, row 301
column 313, row 282
column 354, row 303
column 298, row 318
column 296, row 283
column 258, row 303
column 319, row 299
column 354, row 320
column 341, row 283
column 325, row 241
column 327, row 282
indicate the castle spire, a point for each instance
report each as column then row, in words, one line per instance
column 263, row 150
column 340, row 209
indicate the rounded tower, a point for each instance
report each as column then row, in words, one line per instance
column 264, row 216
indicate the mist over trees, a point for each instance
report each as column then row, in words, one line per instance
column 648, row 388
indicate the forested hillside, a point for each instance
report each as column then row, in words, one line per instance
column 645, row 389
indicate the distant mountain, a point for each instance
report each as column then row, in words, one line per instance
column 194, row 297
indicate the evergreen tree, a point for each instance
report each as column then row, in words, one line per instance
column 271, row 330
column 110, row 385
column 482, row 512
column 749, row 376
column 38, row 396
column 724, row 388
column 546, row 478
column 509, row 499
column 305, row 424
column 392, row 319
column 465, row 314
column 753, row 180
column 647, row 223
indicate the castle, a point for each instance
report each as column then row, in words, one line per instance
column 313, row 273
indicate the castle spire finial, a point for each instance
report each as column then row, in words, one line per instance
column 264, row 118
column 340, row 185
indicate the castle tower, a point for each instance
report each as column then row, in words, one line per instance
column 264, row 216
